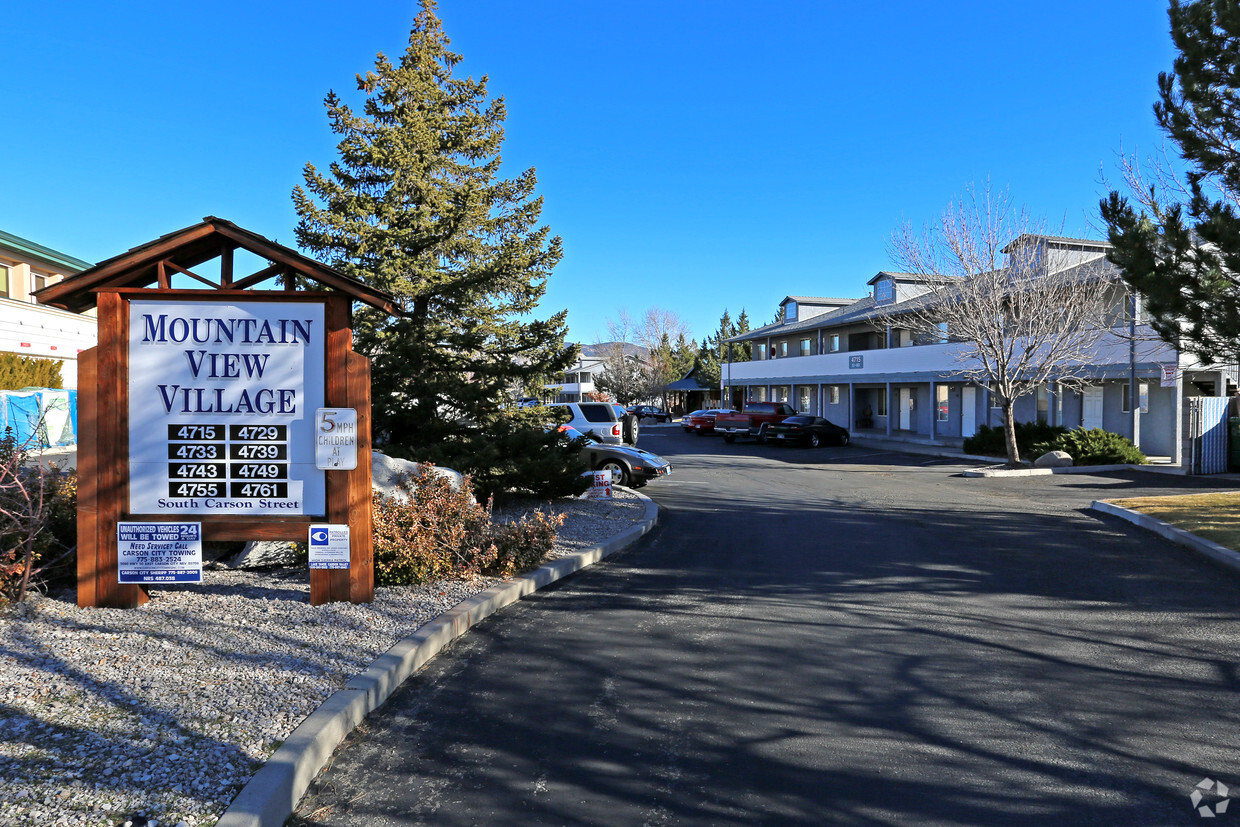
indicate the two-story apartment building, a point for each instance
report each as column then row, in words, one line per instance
column 30, row 329
column 846, row 360
column 577, row 383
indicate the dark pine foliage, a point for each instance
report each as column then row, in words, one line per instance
column 415, row 205
column 1184, row 258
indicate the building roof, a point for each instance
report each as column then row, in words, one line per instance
column 1059, row 240
column 150, row 264
column 908, row 277
column 815, row 300
column 865, row 309
column 61, row 261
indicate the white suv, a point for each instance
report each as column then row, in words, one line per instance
column 599, row 418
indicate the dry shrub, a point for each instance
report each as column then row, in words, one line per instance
column 441, row 531
column 37, row 519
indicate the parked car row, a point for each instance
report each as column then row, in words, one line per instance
column 765, row 421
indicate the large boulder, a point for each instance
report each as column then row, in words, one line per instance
column 1054, row 459
column 387, row 472
column 265, row 554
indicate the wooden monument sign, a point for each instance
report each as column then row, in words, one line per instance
column 203, row 414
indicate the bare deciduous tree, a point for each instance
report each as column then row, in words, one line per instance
column 625, row 374
column 1020, row 312
column 660, row 332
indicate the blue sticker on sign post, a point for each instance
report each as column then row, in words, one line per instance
column 159, row 552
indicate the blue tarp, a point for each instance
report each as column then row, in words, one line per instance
column 39, row 418
column 22, row 415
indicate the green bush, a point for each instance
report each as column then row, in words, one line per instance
column 442, row 531
column 17, row 372
column 989, row 442
column 1095, row 447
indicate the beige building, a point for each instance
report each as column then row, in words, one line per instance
column 29, row 329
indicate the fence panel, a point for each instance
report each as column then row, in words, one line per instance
column 1207, row 431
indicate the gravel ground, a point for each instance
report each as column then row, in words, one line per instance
column 167, row 710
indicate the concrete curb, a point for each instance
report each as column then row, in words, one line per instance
column 1038, row 472
column 1219, row 554
column 275, row 790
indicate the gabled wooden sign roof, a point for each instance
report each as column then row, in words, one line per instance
column 154, row 264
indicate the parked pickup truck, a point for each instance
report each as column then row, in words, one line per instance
column 753, row 421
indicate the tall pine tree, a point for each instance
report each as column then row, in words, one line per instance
column 1183, row 254
column 416, row 206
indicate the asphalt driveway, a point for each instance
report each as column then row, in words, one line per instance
column 831, row 636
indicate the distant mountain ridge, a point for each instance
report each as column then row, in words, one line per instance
column 602, row 349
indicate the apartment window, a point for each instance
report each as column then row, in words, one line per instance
column 1143, row 397
column 1044, row 403
column 880, row 409
column 37, row 281
column 804, row 401
column 940, row 403
column 758, row 394
column 4, row 280
column 759, row 352
column 783, row 349
column 781, row 394
column 833, row 394
column 833, row 342
column 790, row 312
column 805, row 347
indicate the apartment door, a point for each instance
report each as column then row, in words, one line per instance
column 906, row 413
column 968, row 411
column 1091, row 407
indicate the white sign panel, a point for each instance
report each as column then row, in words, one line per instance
column 159, row 552
column 1169, row 374
column 600, row 486
column 329, row 546
column 222, row 398
column 335, row 439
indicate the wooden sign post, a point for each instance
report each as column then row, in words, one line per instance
column 200, row 406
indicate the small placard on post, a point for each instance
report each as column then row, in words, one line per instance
column 329, row 546
column 159, row 552
column 335, row 439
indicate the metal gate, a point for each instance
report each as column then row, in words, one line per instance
column 1207, row 434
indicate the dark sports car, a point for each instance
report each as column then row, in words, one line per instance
column 807, row 430
column 629, row 466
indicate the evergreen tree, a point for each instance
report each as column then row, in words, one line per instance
column 714, row 352
column 742, row 351
column 415, row 205
column 683, row 356
column 1181, row 250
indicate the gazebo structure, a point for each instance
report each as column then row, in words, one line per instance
column 690, row 394
column 127, row 471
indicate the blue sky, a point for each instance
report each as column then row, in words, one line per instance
column 693, row 155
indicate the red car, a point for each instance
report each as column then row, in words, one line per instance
column 702, row 422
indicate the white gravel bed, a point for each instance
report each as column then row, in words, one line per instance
column 168, row 709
